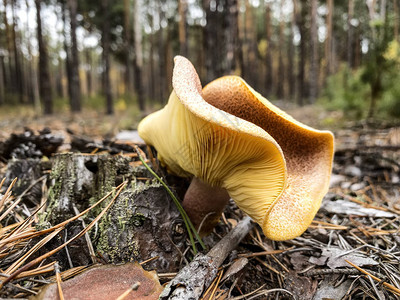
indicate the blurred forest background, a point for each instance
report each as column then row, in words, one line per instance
column 113, row 55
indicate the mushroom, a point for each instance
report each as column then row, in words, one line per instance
column 207, row 135
column 308, row 154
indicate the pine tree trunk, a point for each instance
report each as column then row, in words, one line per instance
column 2, row 85
column 269, row 78
column 19, row 80
column 291, row 74
column 152, row 84
column 162, row 78
column 314, row 74
column 64, row 12
column 59, row 79
column 44, row 75
column 138, row 58
column 209, row 46
column 182, row 9
column 29, row 65
column 9, row 71
column 89, row 80
column 350, row 35
column 328, row 40
column 232, row 34
column 303, row 53
column 169, row 59
column 251, row 45
column 128, row 46
column 105, row 41
column 280, row 90
column 75, row 80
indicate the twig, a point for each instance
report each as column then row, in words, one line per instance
column 190, row 282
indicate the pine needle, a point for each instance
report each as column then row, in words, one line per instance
column 80, row 234
column 390, row 287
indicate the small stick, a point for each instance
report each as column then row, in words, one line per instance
column 191, row 281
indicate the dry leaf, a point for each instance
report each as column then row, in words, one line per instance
column 105, row 283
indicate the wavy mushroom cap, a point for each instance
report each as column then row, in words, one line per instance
column 195, row 138
column 308, row 154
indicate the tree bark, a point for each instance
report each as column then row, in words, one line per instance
column 67, row 52
column 269, row 78
column 250, row 42
column 232, row 35
column 182, row 9
column 152, row 84
column 161, row 47
column 138, row 58
column 9, row 71
column 291, row 73
column 2, row 85
column 303, row 53
column 89, row 79
column 280, row 89
column 328, row 40
column 314, row 68
column 209, row 42
column 128, row 47
column 44, row 75
column 169, row 59
column 75, row 100
column 105, row 41
column 30, row 84
column 19, row 80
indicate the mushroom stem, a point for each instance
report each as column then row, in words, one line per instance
column 204, row 205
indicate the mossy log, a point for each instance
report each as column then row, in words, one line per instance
column 142, row 223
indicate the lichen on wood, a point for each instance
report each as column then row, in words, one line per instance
column 142, row 223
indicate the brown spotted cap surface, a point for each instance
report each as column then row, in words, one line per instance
column 308, row 154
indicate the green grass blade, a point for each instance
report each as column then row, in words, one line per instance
column 189, row 226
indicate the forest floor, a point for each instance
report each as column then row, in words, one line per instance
column 351, row 250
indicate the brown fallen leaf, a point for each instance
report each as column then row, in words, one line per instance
column 107, row 282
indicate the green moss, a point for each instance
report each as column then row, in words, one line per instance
column 61, row 177
column 120, row 222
